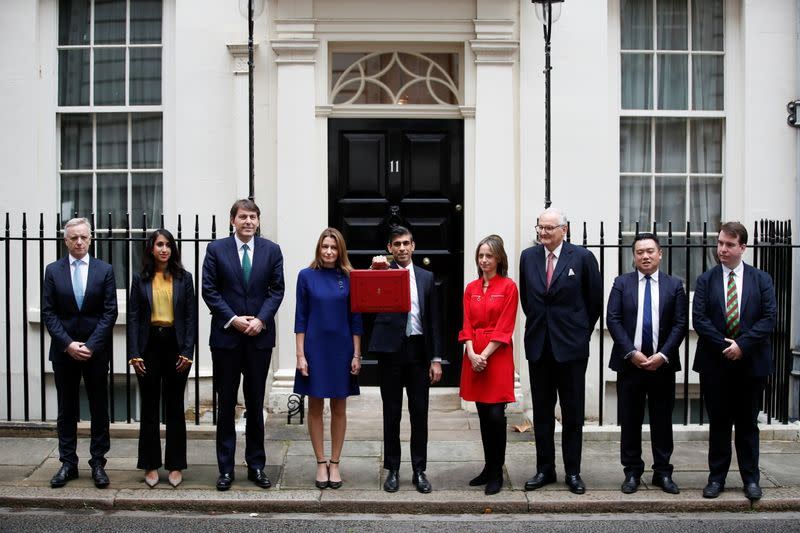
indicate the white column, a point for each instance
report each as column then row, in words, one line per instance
column 495, row 185
column 301, row 193
column 241, row 136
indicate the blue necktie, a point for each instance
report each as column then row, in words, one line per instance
column 647, row 319
column 77, row 282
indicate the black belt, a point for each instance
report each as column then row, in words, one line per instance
column 162, row 330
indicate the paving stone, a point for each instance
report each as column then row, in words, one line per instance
column 26, row 451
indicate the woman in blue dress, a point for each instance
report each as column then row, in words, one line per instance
column 328, row 340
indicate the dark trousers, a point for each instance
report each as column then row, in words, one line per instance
column 551, row 380
column 248, row 365
column 67, row 373
column 492, row 417
column 160, row 357
column 634, row 386
column 733, row 399
column 407, row 368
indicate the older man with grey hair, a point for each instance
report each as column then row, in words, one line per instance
column 561, row 296
column 79, row 308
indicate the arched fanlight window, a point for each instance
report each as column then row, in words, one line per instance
column 389, row 78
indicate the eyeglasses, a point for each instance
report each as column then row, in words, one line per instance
column 548, row 229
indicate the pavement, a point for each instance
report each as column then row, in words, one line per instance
column 29, row 458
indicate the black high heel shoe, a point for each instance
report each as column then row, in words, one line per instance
column 322, row 484
column 333, row 484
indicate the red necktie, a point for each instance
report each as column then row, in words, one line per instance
column 551, row 258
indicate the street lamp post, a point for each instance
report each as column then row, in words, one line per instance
column 251, row 9
column 547, row 11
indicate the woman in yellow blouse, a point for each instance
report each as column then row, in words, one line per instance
column 162, row 330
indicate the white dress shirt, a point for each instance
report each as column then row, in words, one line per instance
column 414, row 315
column 556, row 253
column 637, row 339
column 250, row 252
column 84, row 268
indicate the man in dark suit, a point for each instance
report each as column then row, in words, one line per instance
column 733, row 314
column 243, row 288
column 79, row 308
column 560, row 291
column 409, row 351
column 647, row 318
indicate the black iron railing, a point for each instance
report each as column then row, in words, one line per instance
column 687, row 253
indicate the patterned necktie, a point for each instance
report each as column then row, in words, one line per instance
column 550, row 264
column 246, row 264
column 732, row 308
column 647, row 319
column 77, row 282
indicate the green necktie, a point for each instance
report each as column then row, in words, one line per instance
column 247, row 266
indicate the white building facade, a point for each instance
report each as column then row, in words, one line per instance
column 428, row 112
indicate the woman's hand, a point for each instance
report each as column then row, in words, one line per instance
column 302, row 365
column 478, row 362
column 183, row 364
column 138, row 366
column 355, row 365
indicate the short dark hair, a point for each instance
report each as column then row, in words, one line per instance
column 246, row 204
column 735, row 229
column 644, row 236
column 397, row 231
column 495, row 244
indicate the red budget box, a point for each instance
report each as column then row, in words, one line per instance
column 380, row 291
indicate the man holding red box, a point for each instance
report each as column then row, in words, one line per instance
column 409, row 351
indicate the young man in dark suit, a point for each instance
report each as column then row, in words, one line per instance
column 561, row 295
column 409, row 351
column 733, row 313
column 243, row 287
column 79, row 308
column 647, row 318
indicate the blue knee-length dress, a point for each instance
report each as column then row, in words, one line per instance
column 323, row 314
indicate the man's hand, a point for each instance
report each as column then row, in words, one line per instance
column 653, row 363
column 638, row 359
column 138, row 367
column 79, row 351
column 732, row 352
column 379, row 263
column 435, row 372
column 183, row 364
column 241, row 323
column 254, row 327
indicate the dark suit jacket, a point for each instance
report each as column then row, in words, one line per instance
column 390, row 328
column 756, row 321
column 567, row 312
column 623, row 305
column 93, row 323
column 227, row 296
column 140, row 309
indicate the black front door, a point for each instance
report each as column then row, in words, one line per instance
column 383, row 172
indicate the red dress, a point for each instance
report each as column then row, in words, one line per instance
column 489, row 317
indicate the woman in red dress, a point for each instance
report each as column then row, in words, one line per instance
column 487, row 376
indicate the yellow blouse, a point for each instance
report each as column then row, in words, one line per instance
column 162, row 314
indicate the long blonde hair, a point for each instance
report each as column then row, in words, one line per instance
column 342, row 262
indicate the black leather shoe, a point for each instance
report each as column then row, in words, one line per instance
column 224, row 481
column 540, row 480
column 100, row 477
column 630, row 485
column 420, row 480
column 480, row 479
column 259, row 477
column 665, row 482
column 392, row 483
column 66, row 473
column 575, row 483
column 494, row 482
column 752, row 491
column 713, row 489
